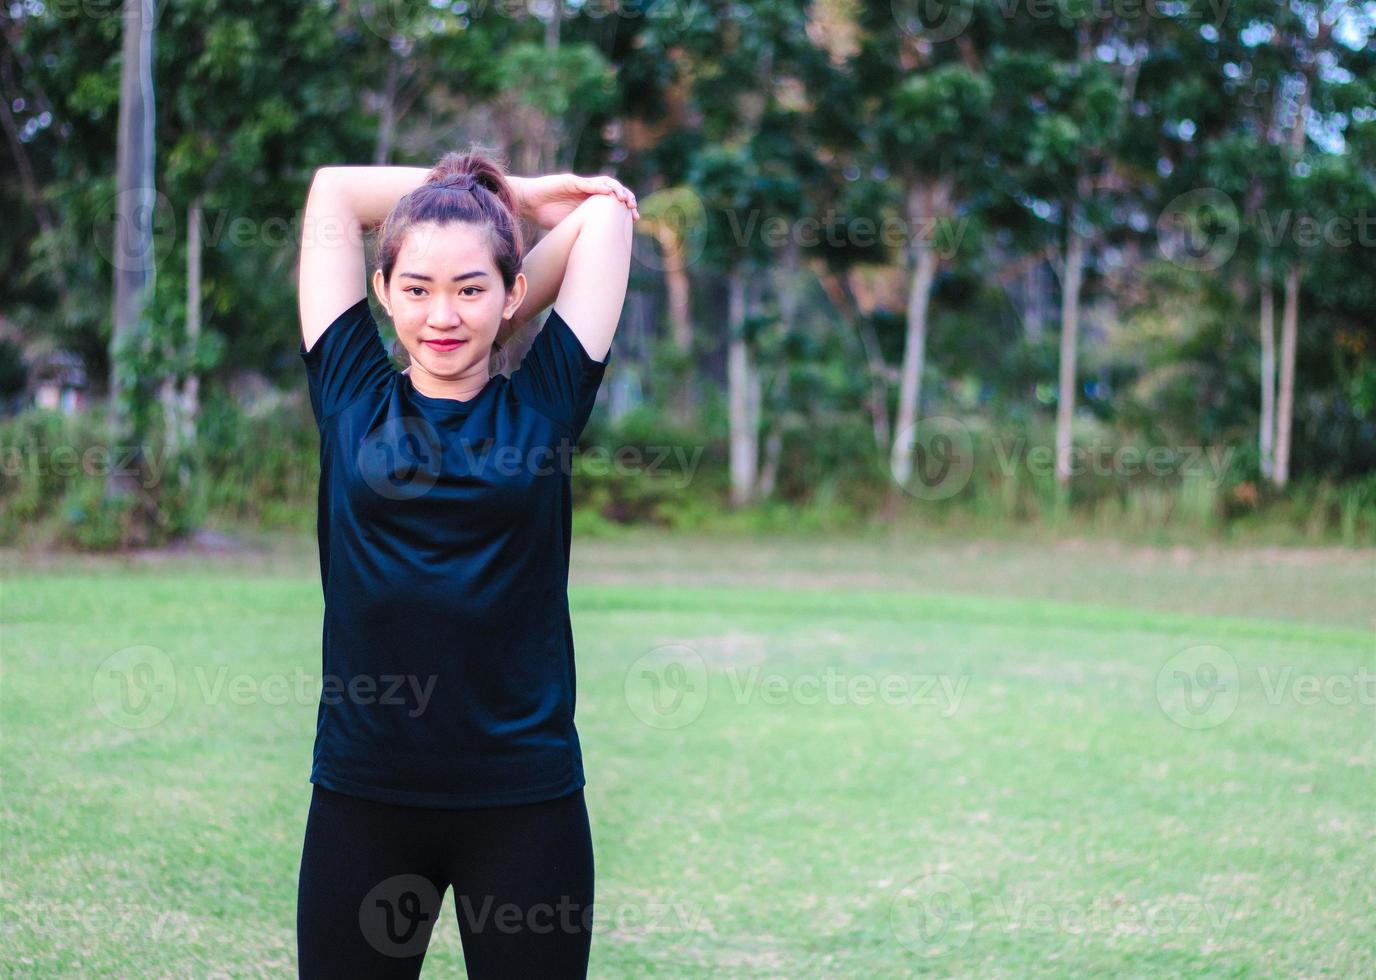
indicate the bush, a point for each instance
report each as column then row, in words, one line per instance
column 261, row 467
column 54, row 486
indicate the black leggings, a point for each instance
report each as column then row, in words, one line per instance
column 373, row 876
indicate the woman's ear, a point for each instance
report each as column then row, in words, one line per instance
column 509, row 327
column 516, row 297
column 380, row 290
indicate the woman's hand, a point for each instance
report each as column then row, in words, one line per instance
column 549, row 200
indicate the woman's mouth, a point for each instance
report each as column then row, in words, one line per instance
column 444, row 345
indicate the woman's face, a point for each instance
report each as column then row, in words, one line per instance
column 446, row 300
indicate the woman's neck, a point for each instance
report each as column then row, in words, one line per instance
column 458, row 389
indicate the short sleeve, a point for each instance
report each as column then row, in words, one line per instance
column 558, row 377
column 347, row 360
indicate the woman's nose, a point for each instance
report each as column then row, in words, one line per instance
column 442, row 314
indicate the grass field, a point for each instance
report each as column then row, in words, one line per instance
column 869, row 757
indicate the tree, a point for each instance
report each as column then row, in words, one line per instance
column 745, row 173
column 133, row 250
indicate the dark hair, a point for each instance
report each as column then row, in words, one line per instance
column 468, row 187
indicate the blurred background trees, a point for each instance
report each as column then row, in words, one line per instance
column 1068, row 232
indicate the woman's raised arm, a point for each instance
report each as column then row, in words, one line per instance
column 599, row 266
column 342, row 203
column 345, row 201
column 545, row 266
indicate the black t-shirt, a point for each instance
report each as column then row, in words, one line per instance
column 444, row 531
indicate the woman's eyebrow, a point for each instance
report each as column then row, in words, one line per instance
column 475, row 274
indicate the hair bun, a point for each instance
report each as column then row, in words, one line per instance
column 460, row 181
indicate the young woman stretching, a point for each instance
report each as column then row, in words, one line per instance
column 445, row 749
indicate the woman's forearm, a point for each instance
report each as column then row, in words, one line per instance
column 544, row 268
column 545, row 264
column 370, row 193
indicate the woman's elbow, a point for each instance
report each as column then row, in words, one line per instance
column 610, row 217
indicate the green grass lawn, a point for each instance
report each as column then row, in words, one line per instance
column 826, row 758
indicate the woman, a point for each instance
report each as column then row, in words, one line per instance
column 445, row 748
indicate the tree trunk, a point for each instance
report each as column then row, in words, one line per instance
column 1268, row 374
column 179, row 396
column 133, row 247
column 773, row 452
column 1070, row 330
column 788, row 291
column 1290, row 316
column 552, row 26
column 754, row 411
column 26, row 175
column 877, row 402
column 387, row 112
column 923, row 205
column 1034, row 302
column 738, row 383
column 684, row 400
column 1289, row 333
column 914, row 358
column 550, row 132
column 191, row 387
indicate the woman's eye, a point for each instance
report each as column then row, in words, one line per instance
column 409, row 288
column 465, row 291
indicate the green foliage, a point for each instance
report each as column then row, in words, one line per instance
column 12, row 370
column 932, row 121
column 64, row 482
column 94, row 521
column 807, row 116
column 262, row 468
